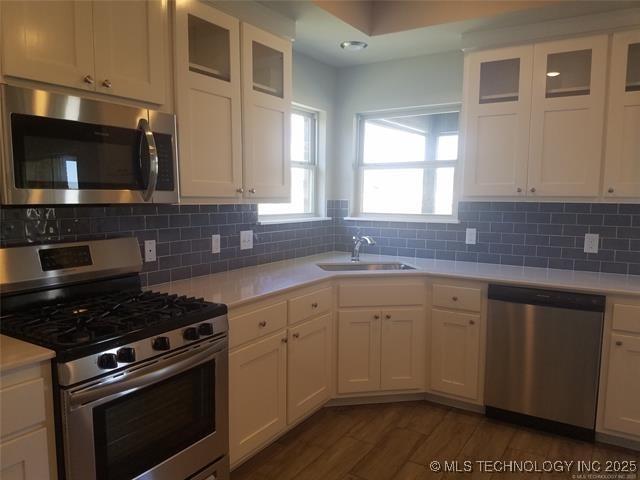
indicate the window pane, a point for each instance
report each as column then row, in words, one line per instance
column 301, row 196
column 385, row 142
column 302, row 138
column 447, row 148
column 443, row 196
column 393, row 190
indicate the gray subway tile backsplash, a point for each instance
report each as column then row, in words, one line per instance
column 509, row 233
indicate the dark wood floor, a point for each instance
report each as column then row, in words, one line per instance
column 398, row 441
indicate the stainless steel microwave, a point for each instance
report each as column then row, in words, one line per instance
column 63, row 149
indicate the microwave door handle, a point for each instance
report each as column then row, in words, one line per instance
column 145, row 376
column 143, row 125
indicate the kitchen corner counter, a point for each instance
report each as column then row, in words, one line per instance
column 15, row 353
column 244, row 285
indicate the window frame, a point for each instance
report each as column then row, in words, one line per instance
column 312, row 166
column 360, row 166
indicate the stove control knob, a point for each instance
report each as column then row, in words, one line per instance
column 190, row 333
column 205, row 329
column 161, row 343
column 108, row 360
column 126, row 355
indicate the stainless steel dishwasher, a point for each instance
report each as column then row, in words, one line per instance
column 543, row 358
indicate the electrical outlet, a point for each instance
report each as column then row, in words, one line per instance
column 215, row 243
column 246, row 239
column 471, row 236
column 591, row 241
column 149, row 250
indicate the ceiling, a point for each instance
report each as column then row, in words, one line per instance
column 319, row 33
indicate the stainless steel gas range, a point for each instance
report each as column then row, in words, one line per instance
column 141, row 378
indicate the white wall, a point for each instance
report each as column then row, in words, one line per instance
column 410, row 82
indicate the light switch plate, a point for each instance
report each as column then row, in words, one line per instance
column 471, row 236
column 591, row 241
column 246, row 239
column 215, row 243
column 149, row 250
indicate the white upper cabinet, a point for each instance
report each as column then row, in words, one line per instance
column 266, row 113
column 567, row 117
column 114, row 47
column 497, row 103
column 208, row 101
column 622, row 158
column 128, row 44
column 50, row 42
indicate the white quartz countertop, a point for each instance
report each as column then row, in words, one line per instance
column 244, row 285
column 15, row 353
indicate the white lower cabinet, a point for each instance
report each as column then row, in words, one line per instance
column 358, row 351
column 257, row 394
column 402, row 349
column 308, row 367
column 455, row 353
column 622, row 401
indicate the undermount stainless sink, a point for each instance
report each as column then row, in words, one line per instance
column 336, row 267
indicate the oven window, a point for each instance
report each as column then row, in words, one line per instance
column 51, row 153
column 142, row 429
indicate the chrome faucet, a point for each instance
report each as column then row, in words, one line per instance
column 358, row 240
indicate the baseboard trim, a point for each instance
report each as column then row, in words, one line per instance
column 618, row 441
column 369, row 400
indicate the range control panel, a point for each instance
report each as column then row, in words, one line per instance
column 64, row 257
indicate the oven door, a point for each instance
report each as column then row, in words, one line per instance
column 62, row 149
column 164, row 420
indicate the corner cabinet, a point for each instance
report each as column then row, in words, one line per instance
column 115, row 48
column 266, row 110
column 622, row 157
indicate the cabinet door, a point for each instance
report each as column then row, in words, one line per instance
column 49, row 42
column 309, row 367
column 25, row 457
column 266, row 114
column 257, row 394
column 622, row 404
column 129, row 49
column 567, row 117
column 358, row 351
column 208, row 101
column 497, row 108
column 402, row 348
column 622, row 161
column 455, row 351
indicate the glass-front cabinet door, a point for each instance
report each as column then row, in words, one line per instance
column 567, row 117
column 266, row 114
column 497, row 102
column 622, row 158
column 208, row 102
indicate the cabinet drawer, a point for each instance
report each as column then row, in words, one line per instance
column 25, row 457
column 463, row 298
column 626, row 317
column 258, row 323
column 378, row 295
column 306, row 306
column 22, row 406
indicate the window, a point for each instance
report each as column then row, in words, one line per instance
column 407, row 163
column 304, row 124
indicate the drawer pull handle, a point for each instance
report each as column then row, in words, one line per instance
column 472, row 322
column 376, row 317
column 107, row 83
column 388, row 317
column 618, row 343
column 314, row 305
column 88, row 79
column 296, row 335
column 454, row 298
column 263, row 323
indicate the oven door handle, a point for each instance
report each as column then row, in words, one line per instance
column 143, row 125
column 145, row 376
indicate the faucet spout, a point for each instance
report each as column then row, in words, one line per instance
column 358, row 241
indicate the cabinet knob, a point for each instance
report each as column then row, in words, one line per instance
column 262, row 323
column 88, row 79
column 284, row 340
column 611, row 190
column 296, row 335
column 240, row 190
column 454, row 298
column 107, row 83
column 618, row 343
column 314, row 305
column 472, row 322
column 252, row 190
column 387, row 316
column 376, row 317
column 519, row 189
column 532, row 189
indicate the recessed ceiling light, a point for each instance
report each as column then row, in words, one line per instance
column 353, row 45
column 553, row 74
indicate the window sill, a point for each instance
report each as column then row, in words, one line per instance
column 276, row 221
column 406, row 219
